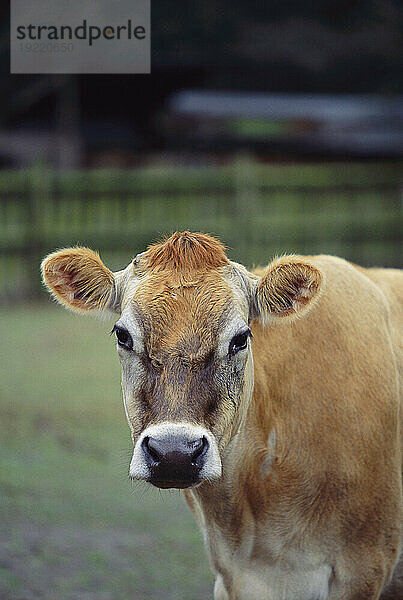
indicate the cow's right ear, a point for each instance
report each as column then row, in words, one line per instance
column 289, row 288
column 79, row 280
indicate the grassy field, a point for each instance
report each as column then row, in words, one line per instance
column 72, row 527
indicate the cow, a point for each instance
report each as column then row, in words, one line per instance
column 272, row 398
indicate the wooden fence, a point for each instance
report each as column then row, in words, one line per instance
column 355, row 211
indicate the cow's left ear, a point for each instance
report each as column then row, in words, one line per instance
column 288, row 289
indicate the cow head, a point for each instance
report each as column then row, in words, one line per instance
column 184, row 342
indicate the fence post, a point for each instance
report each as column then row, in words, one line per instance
column 246, row 192
column 39, row 191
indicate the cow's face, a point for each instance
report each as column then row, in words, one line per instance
column 184, row 343
column 187, row 375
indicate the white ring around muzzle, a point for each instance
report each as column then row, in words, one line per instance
column 212, row 464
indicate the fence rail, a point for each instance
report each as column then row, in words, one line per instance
column 353, row 211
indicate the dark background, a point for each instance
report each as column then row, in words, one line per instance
column 285, row 47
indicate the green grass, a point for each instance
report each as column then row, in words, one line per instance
column 71, row 524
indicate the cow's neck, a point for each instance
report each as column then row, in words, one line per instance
column 261, row 468
column 230, row 502
column 270, row 478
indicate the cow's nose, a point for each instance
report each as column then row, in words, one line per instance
column 174, row 462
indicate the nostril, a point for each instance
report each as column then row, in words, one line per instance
column 199, row 449
column 170, row 456
column 150, row 448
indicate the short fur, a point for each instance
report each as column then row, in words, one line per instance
column 309, row 504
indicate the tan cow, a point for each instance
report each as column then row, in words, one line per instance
column 273, row 397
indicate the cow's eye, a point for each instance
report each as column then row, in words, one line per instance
column 239, row 342
column 124, row 338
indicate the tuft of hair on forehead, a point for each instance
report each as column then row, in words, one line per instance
column 186, row 251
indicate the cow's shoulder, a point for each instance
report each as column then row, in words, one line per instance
column 390, row 281
column 333, row 370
